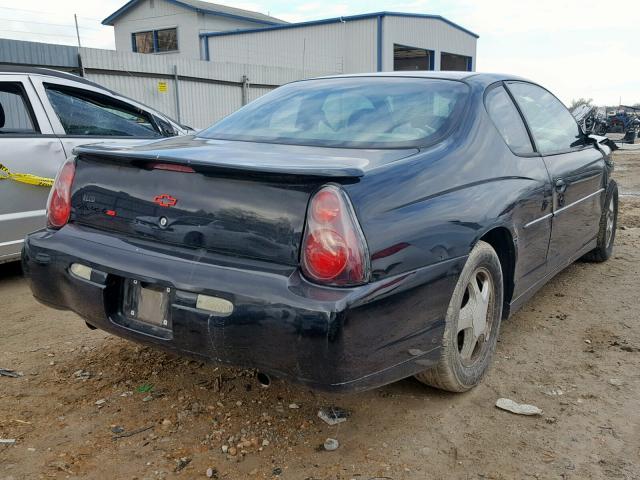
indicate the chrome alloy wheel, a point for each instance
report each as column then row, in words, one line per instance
column 475, row 317
column 610, row 222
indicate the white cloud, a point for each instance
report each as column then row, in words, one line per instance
column 577, row 48
column 53, row 22
column 313, row 11
column 502, row 17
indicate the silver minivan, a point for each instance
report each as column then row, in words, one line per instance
column 44, row 115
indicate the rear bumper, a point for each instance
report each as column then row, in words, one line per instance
column 328, row 338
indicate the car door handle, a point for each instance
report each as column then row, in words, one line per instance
column 561, row 185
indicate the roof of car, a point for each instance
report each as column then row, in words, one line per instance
column 482, row 78
column 19, row 69
column 413, row 73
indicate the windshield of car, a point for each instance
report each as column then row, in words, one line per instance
column 360, row 112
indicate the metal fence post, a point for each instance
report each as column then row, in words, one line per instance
column 80, row 65
column 177, row 81
column 245, row 90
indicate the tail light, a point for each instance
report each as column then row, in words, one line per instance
column 172, row 167
column 334, row 251
column 59, row 202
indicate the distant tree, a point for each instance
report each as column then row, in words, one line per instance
column 580, row 101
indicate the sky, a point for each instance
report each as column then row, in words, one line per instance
column 576, row 48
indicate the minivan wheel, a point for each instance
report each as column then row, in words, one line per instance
column 608, row 224
column 472, row 324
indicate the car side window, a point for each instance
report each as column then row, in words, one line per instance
column 553, row 128
column 88, row 113
column 167, row 129
column 508, row 121
column 15, row 113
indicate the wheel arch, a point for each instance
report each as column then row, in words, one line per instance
column 501, row 240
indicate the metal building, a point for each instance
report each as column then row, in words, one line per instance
column 383, row 41
column 171, row 27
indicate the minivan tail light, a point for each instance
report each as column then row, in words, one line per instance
column 334, row 250
column 59, row 202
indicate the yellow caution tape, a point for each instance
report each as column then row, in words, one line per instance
column 27, row 178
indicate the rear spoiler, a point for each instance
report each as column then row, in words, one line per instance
column 201, row 159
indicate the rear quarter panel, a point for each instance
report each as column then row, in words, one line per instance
column 434, row 206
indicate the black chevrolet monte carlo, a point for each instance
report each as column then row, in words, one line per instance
column 342, row 232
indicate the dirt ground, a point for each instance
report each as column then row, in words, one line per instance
column 574, row 351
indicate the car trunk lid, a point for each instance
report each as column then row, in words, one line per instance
column 241, row 199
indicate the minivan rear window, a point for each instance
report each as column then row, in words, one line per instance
column 357, row 112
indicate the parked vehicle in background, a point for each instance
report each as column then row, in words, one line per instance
column 623, row 120
column 343, row 232
column 44, row 114
column 591, row 119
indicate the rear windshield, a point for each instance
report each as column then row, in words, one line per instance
column 380, row 112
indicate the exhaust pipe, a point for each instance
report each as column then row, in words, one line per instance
column 263, row 379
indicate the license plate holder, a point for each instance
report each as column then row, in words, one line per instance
column 147, row 303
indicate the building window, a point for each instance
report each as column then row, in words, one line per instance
column 167, row 40
column 143, row 42
column 451, row 61
column 411, row 58
column 155, row 41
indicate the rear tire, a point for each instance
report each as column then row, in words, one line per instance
column 472, row 324
column 608, row 225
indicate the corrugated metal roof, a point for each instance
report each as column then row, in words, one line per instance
column 204, row 7
column 341, row 19
column 19, row 52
